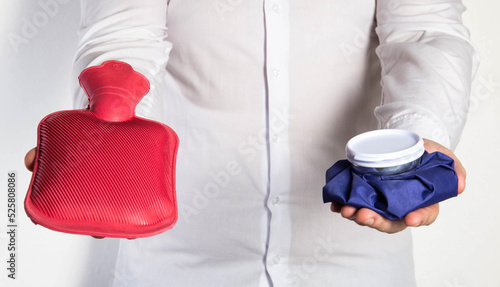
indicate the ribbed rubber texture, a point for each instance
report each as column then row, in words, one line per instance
column 103, row 179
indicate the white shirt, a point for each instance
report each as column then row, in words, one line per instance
column 264, row 95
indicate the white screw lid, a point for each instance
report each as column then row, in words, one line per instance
column 384, row 148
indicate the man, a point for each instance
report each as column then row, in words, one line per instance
column 264, row 95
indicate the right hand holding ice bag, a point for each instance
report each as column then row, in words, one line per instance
column 389, row 171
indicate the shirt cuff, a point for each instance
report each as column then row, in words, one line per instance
column 418, row 119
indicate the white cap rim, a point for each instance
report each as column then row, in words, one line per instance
column 409, row 148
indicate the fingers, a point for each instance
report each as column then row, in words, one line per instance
column 335, row 207
column 422, row 216
column 348, row 212
column 374, row 220
column 367, row 217
column 29, row 159
column 100, row 237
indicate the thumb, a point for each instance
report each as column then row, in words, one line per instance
column 29, row 159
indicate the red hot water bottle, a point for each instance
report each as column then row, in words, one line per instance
column 103, row 171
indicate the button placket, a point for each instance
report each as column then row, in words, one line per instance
column 278, row 97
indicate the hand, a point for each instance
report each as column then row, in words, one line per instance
column 29, row 159
column 419, row 217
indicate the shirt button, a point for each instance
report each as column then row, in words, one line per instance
column 276, row 200
column 275, row 138
column 276, row 7
column 276, row 259
column 276, row 72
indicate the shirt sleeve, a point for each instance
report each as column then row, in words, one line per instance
column 428, row 63
column 132, row 31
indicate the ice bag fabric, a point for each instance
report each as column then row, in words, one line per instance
column 393, row 196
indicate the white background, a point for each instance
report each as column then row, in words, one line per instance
column 461, row 249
